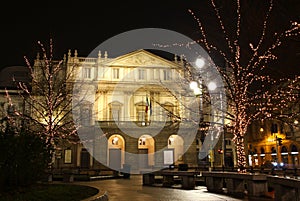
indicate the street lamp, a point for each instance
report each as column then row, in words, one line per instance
column 198, row 93
column 200, row 62
column 212, row 86
column 197, row 88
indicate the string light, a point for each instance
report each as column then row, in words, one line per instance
column 246, row 104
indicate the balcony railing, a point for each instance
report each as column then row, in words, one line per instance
column 128, row 124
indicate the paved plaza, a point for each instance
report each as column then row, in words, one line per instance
column 133, row 190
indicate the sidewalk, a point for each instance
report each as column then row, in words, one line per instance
column 133, row 190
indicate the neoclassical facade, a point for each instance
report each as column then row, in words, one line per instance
column 136, row 109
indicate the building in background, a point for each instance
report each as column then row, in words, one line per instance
column 273, row 142
column 10, row 99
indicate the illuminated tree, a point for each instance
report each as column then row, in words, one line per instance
column 48, row 99
column 246, row 52
column 287, row 98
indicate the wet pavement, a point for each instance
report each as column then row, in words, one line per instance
column 133, row 190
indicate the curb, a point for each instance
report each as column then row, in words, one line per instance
column 103, row 197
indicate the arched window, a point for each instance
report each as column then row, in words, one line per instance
column 262, row 151
column 168, row 109
column 255, row 152
column 294, row 150
column 273, row 151
column 284, row 150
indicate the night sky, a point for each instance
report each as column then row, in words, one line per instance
column 83, row 26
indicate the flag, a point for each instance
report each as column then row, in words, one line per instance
column 147, row 104
column 150, row 106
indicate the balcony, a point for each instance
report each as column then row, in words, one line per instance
column 128, row 124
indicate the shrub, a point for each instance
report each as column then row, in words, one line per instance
column 24, row 158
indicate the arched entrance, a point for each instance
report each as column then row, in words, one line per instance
column 146, row 151
column 116, row 151
column 175, row 143
column 274, row 154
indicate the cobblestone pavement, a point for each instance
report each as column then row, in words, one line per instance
column 133, row 190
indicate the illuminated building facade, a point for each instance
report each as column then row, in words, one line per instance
column 273, row 142
column 139, row 108
column 143, row 108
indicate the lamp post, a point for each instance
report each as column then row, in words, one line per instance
column 199, row 91
column 212, row 86
column 197, row 88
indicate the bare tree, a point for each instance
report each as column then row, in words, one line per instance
column 48, row 97
column 247, row 53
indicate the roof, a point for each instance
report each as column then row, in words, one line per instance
column 9, row 74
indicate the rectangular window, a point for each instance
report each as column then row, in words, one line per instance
column 228, row 142
column 142, row 74
column 68, row 156
column 167, row 75
column 87, row 73
column 114, row 114
column 116, row 73
column 101, row 72
column 86, row 116
column 157, row 74
column 141, row 115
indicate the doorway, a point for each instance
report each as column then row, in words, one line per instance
column 143, row 159
column 115, row 158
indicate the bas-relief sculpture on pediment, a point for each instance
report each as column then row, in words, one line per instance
column 141, row 59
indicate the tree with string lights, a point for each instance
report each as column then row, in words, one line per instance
column 287, row 98
column 48, row 96
column 247, row 52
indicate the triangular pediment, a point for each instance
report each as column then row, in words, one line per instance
column 141, row 58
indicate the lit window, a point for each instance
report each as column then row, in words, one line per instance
column 157, row 74
column 142, row 141
column 87, row 73
column 101, row 72
column 115, row 141
column 68, row 156
column 142, row 74
column 141, row 115
column 167, row 75
column 114, row 111
column 116, row 73
column 171, row 140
